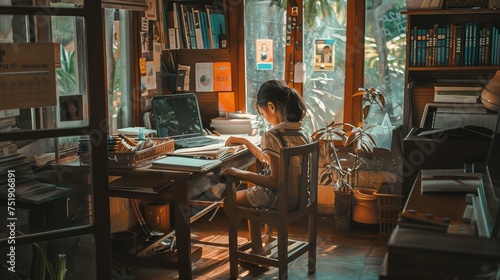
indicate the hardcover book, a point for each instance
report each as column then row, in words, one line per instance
column 204, row 77
column 222, row 76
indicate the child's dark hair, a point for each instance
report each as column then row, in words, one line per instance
column 278, row 92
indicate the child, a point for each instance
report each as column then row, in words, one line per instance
column 284, row 109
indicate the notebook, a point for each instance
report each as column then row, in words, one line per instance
column 185, row 163
column 177, row 116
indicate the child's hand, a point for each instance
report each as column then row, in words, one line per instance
column 232, row 140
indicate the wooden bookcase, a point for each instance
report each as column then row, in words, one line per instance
column 233, row 53
column 420, row 80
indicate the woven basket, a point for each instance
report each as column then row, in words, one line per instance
column 142, row 157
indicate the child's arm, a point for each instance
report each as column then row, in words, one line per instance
column 254, row 149
column 268, row 181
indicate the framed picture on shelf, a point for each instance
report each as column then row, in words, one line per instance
column 424, row 4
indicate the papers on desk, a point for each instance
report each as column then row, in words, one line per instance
column 140, row 184
column 217, row 151
column 185, row 163
column 449, row 180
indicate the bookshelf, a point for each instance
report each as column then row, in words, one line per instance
column 232, row 52
column 437, row 60
column 195, row 24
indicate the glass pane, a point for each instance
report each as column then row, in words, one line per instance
column 117, row 24
column 324, row 29
column 264, row 45
column 58, row 3
column 68, row 258
column 44, row 83
column 44, row 183
column 385, row 42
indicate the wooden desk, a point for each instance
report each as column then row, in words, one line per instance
column 186, row 185
column 417, row 253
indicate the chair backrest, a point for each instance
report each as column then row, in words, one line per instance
column 299, row 166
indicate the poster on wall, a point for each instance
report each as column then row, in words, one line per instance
column 27, row 75
column 264, row 54
column 324, row 54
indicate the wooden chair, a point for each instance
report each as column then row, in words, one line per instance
column 281, row 250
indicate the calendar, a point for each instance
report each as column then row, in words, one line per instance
column 27, row 75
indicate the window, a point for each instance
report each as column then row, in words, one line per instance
column 118, row 48
column 325, row 24
column 385, row 40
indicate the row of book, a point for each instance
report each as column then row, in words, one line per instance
column 194, row 26
column 467, row 44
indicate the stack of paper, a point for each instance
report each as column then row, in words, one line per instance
column 449, row 180
column 234, row 125
column 457, row 94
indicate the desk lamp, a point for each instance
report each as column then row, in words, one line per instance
column 226, row 103
column 490, row 97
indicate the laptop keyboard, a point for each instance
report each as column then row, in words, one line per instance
column 195, row 142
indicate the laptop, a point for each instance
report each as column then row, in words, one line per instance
column 177, row 116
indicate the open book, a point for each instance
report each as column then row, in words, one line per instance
column 216, row 151
column 449, row 180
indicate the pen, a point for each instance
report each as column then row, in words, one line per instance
column 216, row 133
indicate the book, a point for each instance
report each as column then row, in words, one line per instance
column 184, row 23
column 204, row 77
column 449, row 180
column 222, row 76
column 140, row 184
column 185, row 163
column 8, row 149
column 216, row 25
column 204, row 29
column 197, row 28
column 215, row 152
column 227, row 151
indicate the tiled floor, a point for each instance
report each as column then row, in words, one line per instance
column 353, row 254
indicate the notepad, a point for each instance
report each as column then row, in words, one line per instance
column 449, row 180
column 183, row 163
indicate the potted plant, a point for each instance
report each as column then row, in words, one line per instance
column 340, row 165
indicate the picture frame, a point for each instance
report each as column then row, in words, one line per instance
column 71, row 108
column 324, row 54
column 424, row 4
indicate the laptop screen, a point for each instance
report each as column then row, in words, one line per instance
column 177, row 115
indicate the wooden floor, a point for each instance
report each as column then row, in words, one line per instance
column 353, row 254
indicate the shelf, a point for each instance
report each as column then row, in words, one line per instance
column 450, row 12
column 454, row 68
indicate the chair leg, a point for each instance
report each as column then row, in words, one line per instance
column 233, row 246
column 283, row 251
column 255, row 236
column 313, row 232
